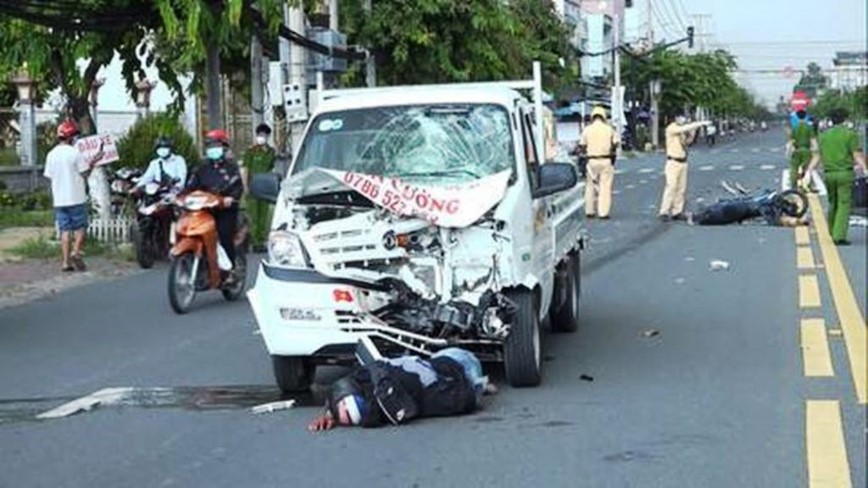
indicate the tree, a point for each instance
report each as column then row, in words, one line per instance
column 812, row 82
column 441, row 41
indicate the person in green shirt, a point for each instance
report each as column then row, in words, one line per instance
column 840, row 151
column 258, row 159
column 801, row 143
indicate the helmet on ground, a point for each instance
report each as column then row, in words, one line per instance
column 66, row 129
column 216, row 136
column 598, row 111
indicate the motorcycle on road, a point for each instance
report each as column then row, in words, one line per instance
column 150, row 234
column 199, row 262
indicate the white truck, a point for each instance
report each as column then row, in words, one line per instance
column 421, row 217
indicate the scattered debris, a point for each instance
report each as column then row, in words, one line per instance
column 690, row 259
column 586, row 377
column 858, row 221
column 718, row 265
column 273, row 406
column 680, row 281
column 649, row 333
column 836, row 332
column 490, row 389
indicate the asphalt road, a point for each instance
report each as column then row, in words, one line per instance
column 697, row 375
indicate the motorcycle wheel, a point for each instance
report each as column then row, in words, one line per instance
column 793, row 203
column 182, row 284
column 235, row 291
column 142, row 246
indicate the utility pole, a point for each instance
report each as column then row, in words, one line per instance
column 654, row 88
column 295, row 91
column 257, row 98
column 370, row 63
column 617, row 97
column 213, row 88
column 650, row 34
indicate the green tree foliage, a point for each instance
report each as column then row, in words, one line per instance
column 441, row 41
column 855, row 102
column 136, row 148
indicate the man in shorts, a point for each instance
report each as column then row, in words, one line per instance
column 66, row 168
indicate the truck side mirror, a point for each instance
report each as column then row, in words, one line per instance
column 554, row 178
column 265, row 186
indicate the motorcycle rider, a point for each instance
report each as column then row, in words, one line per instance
column 220, row 175
column 166, row 169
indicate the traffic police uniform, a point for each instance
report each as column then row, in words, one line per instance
column 600, row 141
column 259, row 159
column 677, row 140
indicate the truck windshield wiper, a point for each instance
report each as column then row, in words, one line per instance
column 449, row 172
column 341, row 197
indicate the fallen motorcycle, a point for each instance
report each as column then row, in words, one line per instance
column 199, row 262
column 777, row 208
column 150, row 233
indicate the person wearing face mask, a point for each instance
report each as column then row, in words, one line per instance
column 258, row 159
column 679, row 135
column 166, row 169
column 220, row 175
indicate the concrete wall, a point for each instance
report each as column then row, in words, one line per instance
column 20, row 179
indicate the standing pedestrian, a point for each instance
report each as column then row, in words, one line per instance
column 258, row 159
column 67, row 169
column 679, row 135
column 840, row 149
column 801, row 143
column 599, row 141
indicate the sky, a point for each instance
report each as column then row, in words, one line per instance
column 762, row 34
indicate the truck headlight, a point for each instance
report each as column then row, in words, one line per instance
column 284, row 249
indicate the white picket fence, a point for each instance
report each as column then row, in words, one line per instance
column 115, row 230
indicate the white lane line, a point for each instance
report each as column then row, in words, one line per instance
column 768, row 167
column 755, row 150
column 630, row 187
column 616, row 192
column 735, row 150
column 785, row 179
column 619, row 171
column 646, row 170
column 707, row 167
column 775, row 149
column 736, row 167
column 106, row 396
column 642, row 182
column 819, row 184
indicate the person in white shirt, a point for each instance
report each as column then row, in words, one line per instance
column 167, row 168
column 67, row 169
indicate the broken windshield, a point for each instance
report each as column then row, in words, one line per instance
column 430, row 143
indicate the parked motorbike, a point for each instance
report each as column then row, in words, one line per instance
column 122, row 181
column 151, row 232
column 199, row 262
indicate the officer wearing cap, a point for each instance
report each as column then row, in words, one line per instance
column 599, row 141
column 679, row 135
column 258, row 159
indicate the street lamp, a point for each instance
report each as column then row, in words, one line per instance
column 26, row 87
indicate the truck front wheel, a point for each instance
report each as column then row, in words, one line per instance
column 522, row 348
column 292, row 373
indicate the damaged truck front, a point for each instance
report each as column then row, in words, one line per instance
column 420, row 218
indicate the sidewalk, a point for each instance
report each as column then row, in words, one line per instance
column 24, row 280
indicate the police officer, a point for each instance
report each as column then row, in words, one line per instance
column 220, row 175
column 258, row 159
column 679, row 135
column 801, row 142
column 599, row 141
column 840, row 148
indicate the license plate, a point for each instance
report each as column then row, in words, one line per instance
column 300, row 314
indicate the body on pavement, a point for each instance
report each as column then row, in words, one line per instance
column 67, row 169
column 599, row 142
column 258, row 159
column 840, row 150
column 679, row 135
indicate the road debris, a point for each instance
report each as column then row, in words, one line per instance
column 718, row 265
column 858, row 221
column 836, row 332
column 680, row 281
column 586, row 377
column 273, row 407
column 690, row 259
column 649, row 333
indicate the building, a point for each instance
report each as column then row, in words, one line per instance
column 850, row 70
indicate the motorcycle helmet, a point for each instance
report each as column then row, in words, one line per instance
column 66, row 129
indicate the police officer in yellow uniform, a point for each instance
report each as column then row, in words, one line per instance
column 599, row 141
column 258, row 159
column 679, row 135
column 840, row 150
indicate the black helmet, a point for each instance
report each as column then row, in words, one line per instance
column 263, row 129
column 162, row 141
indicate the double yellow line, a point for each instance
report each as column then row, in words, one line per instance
column 826, row 449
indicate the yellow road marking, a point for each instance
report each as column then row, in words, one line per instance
column 849, row 315
column 809, row 291
column 804, row 257
column 827, row 454
column 815, row 348
column 802, row 236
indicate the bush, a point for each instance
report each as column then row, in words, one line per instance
column 136, row 148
